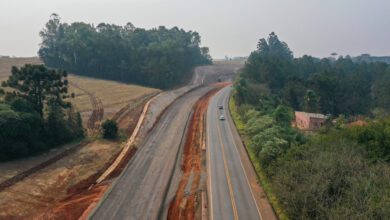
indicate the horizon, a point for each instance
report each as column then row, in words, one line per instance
column 341, row 27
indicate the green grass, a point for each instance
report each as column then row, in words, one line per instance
column 261, row 176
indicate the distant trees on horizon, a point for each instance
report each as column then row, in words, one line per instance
column 158, row 57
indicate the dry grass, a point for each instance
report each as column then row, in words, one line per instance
column 6, row 63
column 112, row 94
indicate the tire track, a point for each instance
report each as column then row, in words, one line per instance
column 96, row 117
column 19, row 177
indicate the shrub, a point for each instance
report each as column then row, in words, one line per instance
column 110, row 129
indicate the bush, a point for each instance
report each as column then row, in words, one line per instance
column 110, row 129
column 329, row 178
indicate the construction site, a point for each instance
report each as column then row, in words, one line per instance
column 70, row 181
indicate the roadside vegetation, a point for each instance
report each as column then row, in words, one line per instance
column 34, row 116
column 340, row 172
column 159, row 57
column 110, row 129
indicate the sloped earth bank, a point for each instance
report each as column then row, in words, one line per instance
column 59, row 190
column 48, row 186
column 187, row 202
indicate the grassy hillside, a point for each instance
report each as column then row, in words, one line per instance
column 111, row 95
column 110, row 92
column 6, row 64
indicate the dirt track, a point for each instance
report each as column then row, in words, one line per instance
column 94, row 120
column 19, row 177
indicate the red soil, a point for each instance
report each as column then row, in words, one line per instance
column 186, row 204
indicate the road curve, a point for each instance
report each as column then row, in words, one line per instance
column 230, row 193
column 140, row 191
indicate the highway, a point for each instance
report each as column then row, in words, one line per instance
column 140, row 191
column 232, row 188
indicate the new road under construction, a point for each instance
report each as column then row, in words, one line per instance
column 189, row 165
column 172, row 174
column 182, row 161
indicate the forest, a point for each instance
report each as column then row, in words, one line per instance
column 315, row 85
column 159, row 57
column 33, row 114
column 339, row 172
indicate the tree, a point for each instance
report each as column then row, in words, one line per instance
column 37, row 83
column 274, row 47
column 52, row 37
column 381, row 91
column 262, row 47
column 241, row 90
column 311, row 101
column 158, row 57
column 110, row 129
column 21, row 128
column 283, row 115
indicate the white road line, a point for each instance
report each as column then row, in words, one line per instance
column 242, row 166
column 227, row 175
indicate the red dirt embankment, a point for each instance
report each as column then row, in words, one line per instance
column 79, row 200
column 187, row 199
column 85, row 195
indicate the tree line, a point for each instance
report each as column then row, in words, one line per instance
column 33, row 114
column 315, row 85
column 340, row 172
column 158, row 57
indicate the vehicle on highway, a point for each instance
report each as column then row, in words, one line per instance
column 220, row 106
column 221, row 117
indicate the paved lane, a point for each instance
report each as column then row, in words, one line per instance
column 230, row 193
column 140, row 191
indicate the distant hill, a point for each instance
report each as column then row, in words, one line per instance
column 370, row 59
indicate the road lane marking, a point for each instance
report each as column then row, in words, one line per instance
column 209, row 175
column 227, row 175
column 242, row 166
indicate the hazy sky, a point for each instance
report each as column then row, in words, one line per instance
column 316, row 27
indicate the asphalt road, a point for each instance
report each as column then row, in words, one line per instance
column 141, row 189
column 230, row 193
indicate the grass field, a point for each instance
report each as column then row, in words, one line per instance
column 112, row 94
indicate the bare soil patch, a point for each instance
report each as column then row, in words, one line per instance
column 50, row 185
